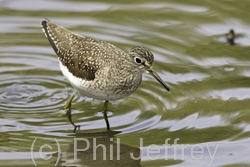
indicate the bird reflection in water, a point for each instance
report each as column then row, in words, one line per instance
column 99, row 149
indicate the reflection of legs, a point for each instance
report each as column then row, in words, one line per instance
column 104, row 111
column 68, row 112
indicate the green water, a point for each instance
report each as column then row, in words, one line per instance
column 207, row 111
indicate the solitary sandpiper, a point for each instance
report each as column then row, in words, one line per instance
column 96, row 68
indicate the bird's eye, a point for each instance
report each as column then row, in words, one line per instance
column 138, row 60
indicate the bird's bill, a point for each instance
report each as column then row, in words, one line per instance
column 157, row 77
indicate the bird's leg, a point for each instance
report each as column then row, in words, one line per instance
column 68, row 112
column 104, row 111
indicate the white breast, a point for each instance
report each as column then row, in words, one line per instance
column 87, row 88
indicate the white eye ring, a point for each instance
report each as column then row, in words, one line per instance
column 137, row 60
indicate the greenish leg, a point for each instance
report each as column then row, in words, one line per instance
column 68, row 112
column 104, row 111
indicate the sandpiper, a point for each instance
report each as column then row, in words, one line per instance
column 96, row 68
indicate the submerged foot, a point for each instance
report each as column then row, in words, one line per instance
column 68, row 113
column 104, row 111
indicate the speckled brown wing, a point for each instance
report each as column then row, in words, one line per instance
column 74, row 51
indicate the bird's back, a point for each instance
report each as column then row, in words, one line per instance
column 82, row 56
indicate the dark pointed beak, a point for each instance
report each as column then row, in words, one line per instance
column 157, row 77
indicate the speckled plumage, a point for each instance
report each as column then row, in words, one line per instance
column 96, row 68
